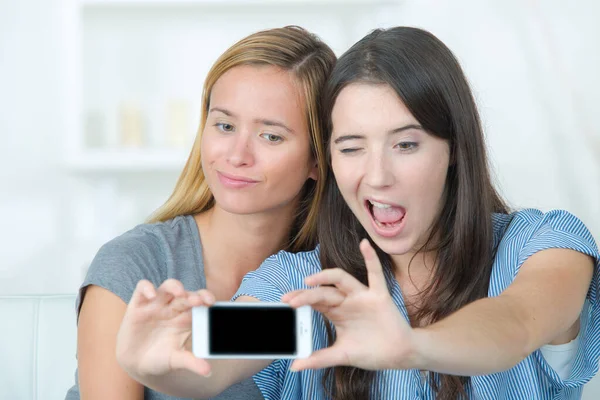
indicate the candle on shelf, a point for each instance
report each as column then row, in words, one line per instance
column 95, row 130
column 131, row 125
column 177, row 126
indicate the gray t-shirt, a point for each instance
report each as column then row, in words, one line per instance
column 156, row 252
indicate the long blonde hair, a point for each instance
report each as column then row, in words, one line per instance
column 293, row 49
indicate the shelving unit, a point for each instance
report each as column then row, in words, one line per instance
column 229, row 3
column 128, row 160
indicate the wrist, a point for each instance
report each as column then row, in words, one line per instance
column 421, row 348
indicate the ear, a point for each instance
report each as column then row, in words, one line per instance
column 313, row 173
column 451, row 156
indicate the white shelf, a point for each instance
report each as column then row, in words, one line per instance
column 142, row 3
column 128, row 160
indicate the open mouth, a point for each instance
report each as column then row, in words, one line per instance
column 385, row 216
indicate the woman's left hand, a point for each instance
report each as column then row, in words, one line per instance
column 371, row 333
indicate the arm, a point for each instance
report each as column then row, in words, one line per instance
column 154, row 344
column 489, row 335
column 494, row 334
column 99, row 374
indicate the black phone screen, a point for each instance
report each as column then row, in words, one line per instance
column 252, row 331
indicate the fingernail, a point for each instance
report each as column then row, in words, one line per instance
column 208, row 375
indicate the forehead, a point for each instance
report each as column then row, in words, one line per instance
column 363, row 106
column 259, row 91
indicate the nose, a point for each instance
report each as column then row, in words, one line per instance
column 241, row 153
column 378, row 171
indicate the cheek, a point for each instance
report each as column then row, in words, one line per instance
column 213, row 148
column 290, row 167
column 431, row 186
column 347, row 181
column 206, row 146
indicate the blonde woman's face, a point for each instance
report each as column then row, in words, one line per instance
column 255, row 145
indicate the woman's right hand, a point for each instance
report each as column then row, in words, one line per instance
column 155, row 336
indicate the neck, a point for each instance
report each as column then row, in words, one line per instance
column 235, row 244
column 414, row 271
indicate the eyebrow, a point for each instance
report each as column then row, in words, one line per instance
column 262, row 121
column 345, row 138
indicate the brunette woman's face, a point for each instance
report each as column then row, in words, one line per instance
column 389, row 170
column 256, row 144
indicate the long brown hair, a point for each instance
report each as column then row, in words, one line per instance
column 430, row 82
column 310, row 60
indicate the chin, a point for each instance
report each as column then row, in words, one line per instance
column 235, row 206
column 394, row 249
column 395, row 246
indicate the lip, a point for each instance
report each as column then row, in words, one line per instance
column 386, row 232
column 373, row 199
column 235, row 181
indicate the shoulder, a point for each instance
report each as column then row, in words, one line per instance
column 280, row 273
column 140, row 253
column 150, row 239
column 293, row 267
column 523, row 233
column 525, row 226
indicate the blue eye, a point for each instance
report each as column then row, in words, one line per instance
column 272, row 138
column 348, row 151
column 222, row 126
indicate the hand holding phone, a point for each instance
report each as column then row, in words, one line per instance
column 251, row 330
column 156, row 328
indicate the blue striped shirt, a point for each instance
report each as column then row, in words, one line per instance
column 518, row 235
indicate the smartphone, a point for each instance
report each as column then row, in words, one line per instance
column 255, row 330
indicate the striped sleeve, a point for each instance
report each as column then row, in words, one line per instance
column 268, row 283
column 560, row 229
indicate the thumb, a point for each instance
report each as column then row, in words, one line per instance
column 324, row 358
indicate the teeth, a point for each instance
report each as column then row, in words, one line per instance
column 379, row 205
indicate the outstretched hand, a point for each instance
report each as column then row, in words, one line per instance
column 154, row 338
column 371, row 333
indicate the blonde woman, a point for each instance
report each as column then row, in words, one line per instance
column 251, row 187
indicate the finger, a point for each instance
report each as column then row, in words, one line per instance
column 324, row 358
column 338, row 277
column 290, row 295
column 169, row 289
column 199, row 298
column 375, row 276
column 180, row 304
column 189, row 300
column 323, row 309
column 208, row 298
column 323, row 296
column 144, row 292
column 182, row 359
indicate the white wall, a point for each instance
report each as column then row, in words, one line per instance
column 31, row 125
column 533, row 66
